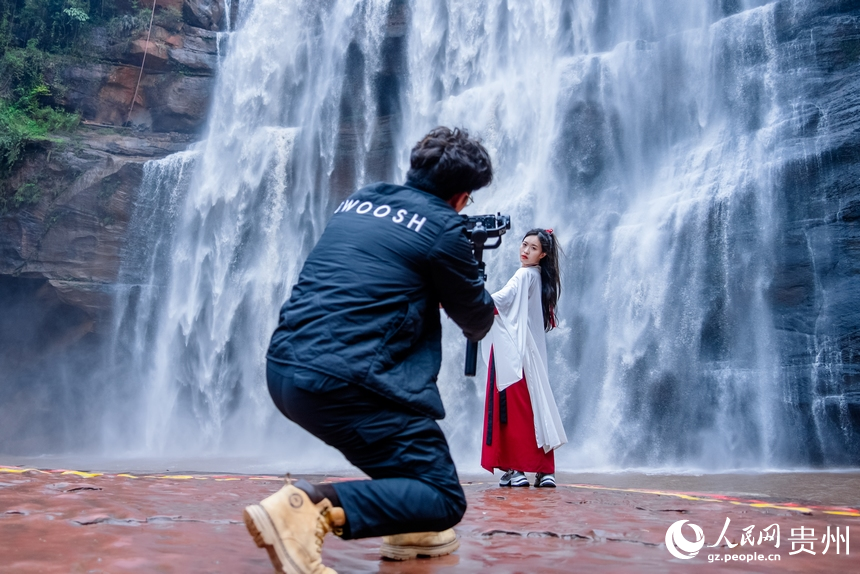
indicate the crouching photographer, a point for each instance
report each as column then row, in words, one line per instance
column 356, row 353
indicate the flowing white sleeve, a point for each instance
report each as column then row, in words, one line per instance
column 510, row 330
column 506, row 297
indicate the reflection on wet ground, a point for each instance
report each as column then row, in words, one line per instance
column 836, row 488
column 56, row 521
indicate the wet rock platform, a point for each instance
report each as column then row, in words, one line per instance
column 75, row 521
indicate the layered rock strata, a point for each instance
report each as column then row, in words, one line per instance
column 71, row 198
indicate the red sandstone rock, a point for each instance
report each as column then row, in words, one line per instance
column 115, row 95
column 156, row 53
column 206, row 14
column 62, row 523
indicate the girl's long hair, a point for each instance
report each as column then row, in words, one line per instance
column 549, row 274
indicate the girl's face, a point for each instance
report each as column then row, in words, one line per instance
column 531, row 252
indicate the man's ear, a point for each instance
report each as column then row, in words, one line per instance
column 458, row 200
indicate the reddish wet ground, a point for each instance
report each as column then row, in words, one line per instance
column 75, row 522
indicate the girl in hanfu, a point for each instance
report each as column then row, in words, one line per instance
column 522, row 426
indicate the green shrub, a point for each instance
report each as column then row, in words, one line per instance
column 27, row 194
column 55, row 25
column 33, row 35
column 168, row 18
column 123, row 27
column 27, row 112
column 18, row 128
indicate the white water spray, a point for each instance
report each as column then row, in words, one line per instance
column 645, row 133
column 247, row 218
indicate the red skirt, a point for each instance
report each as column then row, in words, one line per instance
column 509, row 429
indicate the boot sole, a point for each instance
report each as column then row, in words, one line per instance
column 393, row 552
column 266, row 536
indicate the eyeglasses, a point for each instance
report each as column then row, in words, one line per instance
column 469, row 200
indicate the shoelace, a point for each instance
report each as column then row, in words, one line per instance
column 323, row 528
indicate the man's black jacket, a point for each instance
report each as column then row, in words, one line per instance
column 365, row 308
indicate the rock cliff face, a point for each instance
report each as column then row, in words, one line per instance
column 173, row 92
column 60, row 244
column 815, row 290
column 72, row 233
column 60, row 249
column 71, row 226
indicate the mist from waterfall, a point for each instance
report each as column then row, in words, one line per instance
column 646, row 133
column 191, row 336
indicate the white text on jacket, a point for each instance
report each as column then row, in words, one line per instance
column 365, row 207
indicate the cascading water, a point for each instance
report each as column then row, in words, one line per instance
column 193, row 334
column 650, row 135
column 602, row 127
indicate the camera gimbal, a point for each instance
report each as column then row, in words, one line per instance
column 479, row 228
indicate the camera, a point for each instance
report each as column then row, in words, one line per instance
column 479, row 228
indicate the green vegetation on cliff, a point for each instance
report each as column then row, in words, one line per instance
column 27, row 87
column 34, row 36
column 56, row 26
column 68, row 62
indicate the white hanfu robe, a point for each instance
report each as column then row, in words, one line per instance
column 519, row 342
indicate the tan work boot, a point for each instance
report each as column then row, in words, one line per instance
column 291, row 529
column 415, row 544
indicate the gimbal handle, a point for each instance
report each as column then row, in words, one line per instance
column 479, row 238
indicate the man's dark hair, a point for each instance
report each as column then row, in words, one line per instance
column 446, row 162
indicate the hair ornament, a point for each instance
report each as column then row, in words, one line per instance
column 549, row 230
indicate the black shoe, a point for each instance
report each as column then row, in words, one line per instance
column 514, row 478
column 544, row 480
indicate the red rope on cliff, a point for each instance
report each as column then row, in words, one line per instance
column 142, row 62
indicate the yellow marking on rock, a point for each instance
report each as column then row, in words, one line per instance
column 643, row 491
column 841, row 512
column 82, row 473
column 700, row 499
column 21, row 470
column 766, row 505
column 126, row 475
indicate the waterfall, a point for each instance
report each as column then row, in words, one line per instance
column 194, row 324
column 652, row 136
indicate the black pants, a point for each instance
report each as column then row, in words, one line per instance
column 414, row 486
